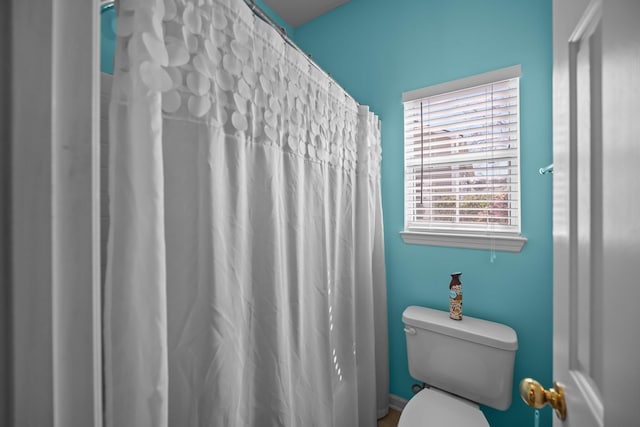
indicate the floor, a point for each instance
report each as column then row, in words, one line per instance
column 391, row 420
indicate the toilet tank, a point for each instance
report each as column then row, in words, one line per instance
column 471, row 358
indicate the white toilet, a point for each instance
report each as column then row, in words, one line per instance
column 463, row 364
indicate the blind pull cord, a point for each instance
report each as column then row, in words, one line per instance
column 421, row 155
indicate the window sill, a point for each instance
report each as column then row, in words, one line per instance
column 508, row 243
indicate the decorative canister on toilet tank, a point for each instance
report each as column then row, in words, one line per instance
column 455, row 297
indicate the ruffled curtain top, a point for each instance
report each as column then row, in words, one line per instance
column 213, row 61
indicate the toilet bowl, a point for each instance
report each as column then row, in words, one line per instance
column 462, row 363
column 435, row 408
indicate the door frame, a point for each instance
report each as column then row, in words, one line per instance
column 5, row 220
column 55, row 213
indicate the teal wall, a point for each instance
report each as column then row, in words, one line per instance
column 377, row 49
column 107, row 38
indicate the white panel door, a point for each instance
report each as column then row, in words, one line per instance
column 596, row 210
column 578, row 209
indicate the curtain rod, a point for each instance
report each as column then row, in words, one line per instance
column 257, row 10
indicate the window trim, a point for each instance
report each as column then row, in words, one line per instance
column 500, row 241
column 464, row 83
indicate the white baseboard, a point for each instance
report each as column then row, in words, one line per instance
column 397, row 402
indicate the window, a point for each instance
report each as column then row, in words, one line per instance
column 462, row 173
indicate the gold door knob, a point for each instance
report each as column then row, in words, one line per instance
column 536, row 396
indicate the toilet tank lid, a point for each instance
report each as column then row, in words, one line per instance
column 471, row 329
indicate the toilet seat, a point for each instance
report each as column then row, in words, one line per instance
column 435, row 408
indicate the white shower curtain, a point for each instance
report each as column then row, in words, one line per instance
column 245, row 282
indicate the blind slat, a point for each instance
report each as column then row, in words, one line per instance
column 503, row 138
column 460, row 190
column 427, row 202
column 482, row 102
column 449, row 149
column 482, row 211
column 463, row 158
column 453, row 130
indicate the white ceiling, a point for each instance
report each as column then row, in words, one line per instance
column 297, row 12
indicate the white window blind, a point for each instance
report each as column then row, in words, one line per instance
column 462, row 155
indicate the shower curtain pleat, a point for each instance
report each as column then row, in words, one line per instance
column 245, row 283
column 135, row 322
